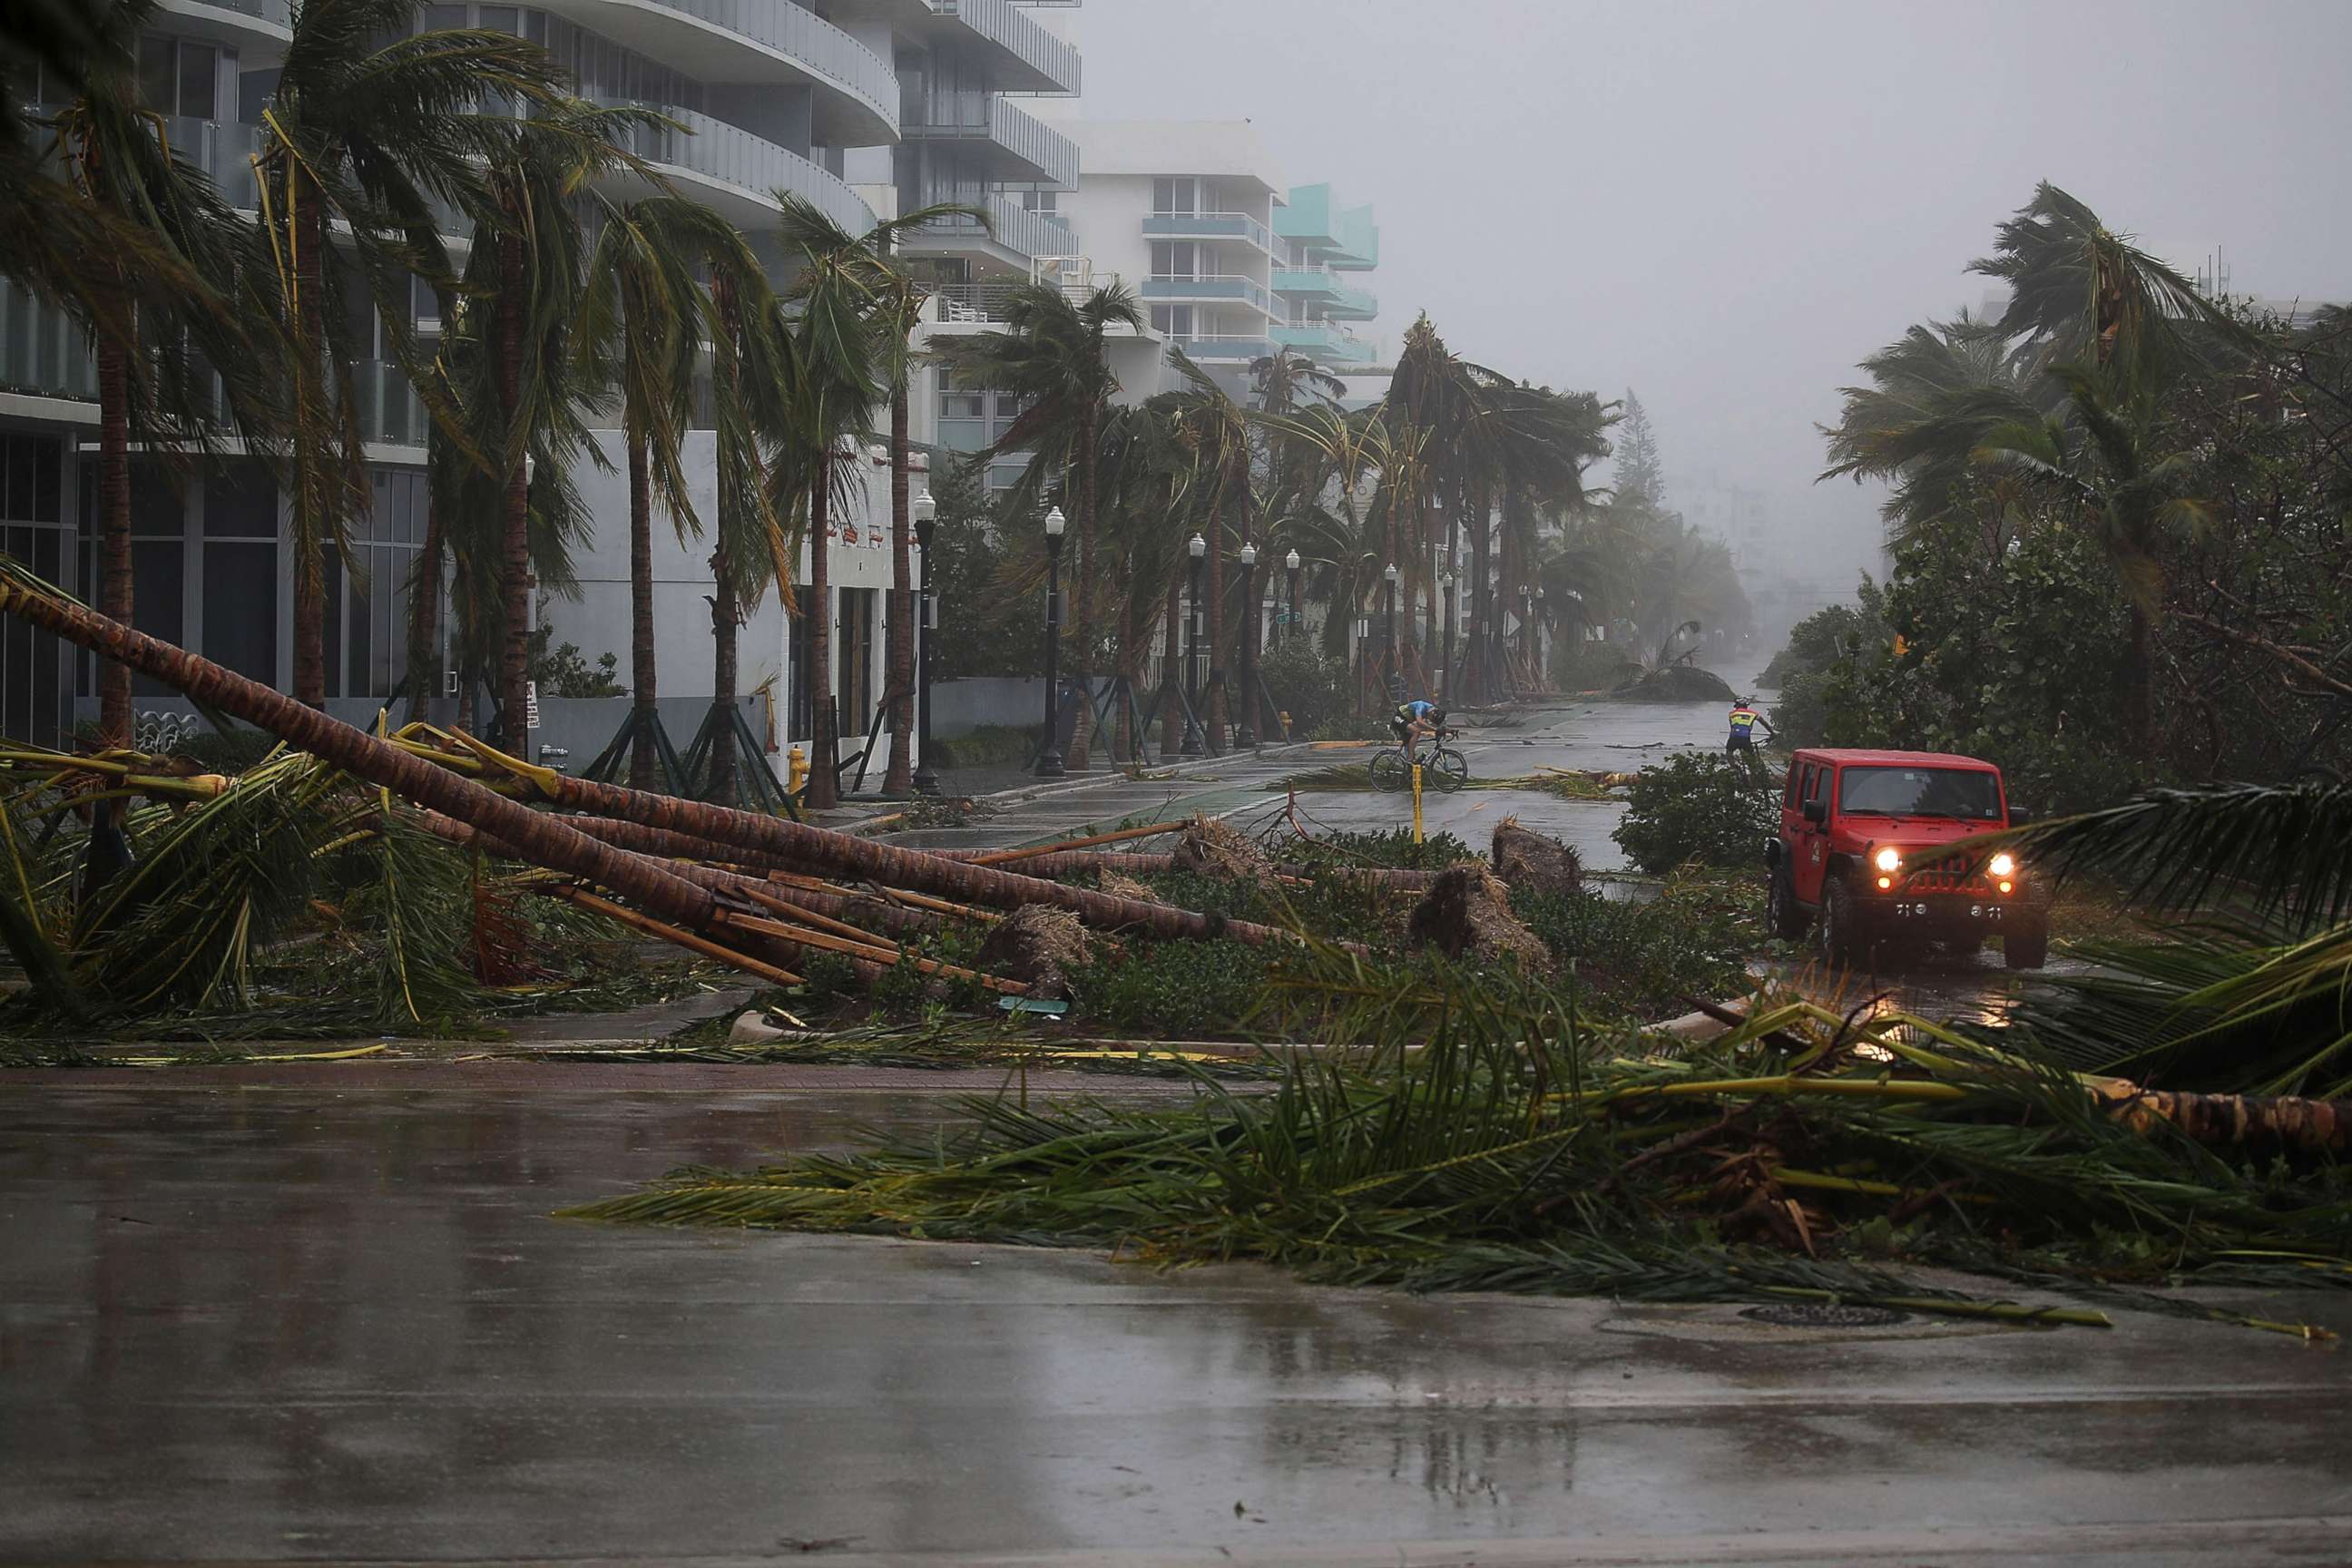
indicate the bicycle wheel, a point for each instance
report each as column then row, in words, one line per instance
column 1448, row 770
column 1390, row 771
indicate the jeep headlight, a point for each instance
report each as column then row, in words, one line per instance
column 2002, row 865
column 1889, row 858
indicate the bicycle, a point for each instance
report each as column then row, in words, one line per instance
column 1444, row 768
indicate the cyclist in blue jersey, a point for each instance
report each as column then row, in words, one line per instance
column 1415, row 720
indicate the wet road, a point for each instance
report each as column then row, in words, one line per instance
column 311, row 1323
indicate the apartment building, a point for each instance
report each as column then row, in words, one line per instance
column 1325, row 248
column 863, row 107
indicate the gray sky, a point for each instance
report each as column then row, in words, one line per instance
column 1725, row 206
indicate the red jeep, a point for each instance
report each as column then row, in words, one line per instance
column 1874, row 851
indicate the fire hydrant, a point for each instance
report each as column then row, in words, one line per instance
column 796, row 769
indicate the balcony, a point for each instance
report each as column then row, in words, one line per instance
column 1208, row 226
column 389, row 410
column 1221, row 288
column 1016, row 144
column 1021, row 236
column 1023, row 56
column 1224, row 351
column 1350, row 303
column 736, row 172
column 1326, row 344
column 855, row 100
column 242, row 22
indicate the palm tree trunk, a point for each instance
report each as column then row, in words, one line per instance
column 115, row 724
column 1213, row 698
column 825, row 778
column 424, row 612
column 644, row 756
column 514, row 579
column 1481, row 639
column 1172, row 675
column 2139, row 683
column 1078, row 758
column 900, row 778
column 725, row 640
column 1129, row 655
column 312, row 482
column 544, row 839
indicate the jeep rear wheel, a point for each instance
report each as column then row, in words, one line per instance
column 1781, row 915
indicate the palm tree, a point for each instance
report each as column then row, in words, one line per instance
column 641, row 324
column 1053, row 359
column 755, row 381
column 895, row 302
column 1216, row 431
column 361, row 137
column 154, row 378
column 536, row 179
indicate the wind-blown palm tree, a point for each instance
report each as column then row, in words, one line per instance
column 361, row 138
column 642, row 318
column 894, row 297
column 1052, row 356
column 155, row 368
column 1216, row 431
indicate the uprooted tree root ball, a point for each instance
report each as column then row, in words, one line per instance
column 1534, row 863
column 1045, row 947
column 1466, row 913
column 1219, row 850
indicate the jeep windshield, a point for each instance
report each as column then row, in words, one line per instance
column 1960, row 793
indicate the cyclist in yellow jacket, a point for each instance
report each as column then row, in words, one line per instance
column 1744, row 719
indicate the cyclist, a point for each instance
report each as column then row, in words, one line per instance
column 1415, row 722
column 1744, row 719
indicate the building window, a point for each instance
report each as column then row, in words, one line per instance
column 1175, row 193
column 1175, row 258
column 179, row 77
column 1172, row 320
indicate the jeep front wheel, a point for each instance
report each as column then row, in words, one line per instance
column 2026, row 947
column 1781, row 914
column 1840, row 942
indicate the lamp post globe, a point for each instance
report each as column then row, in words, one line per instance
column 1049, row 760
column 1197, row 549
column 925, row 512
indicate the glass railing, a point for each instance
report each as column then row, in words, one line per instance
column 222, row 151
column 1017, row 229
column 389, row 410
column 1316, row 281
column 732, row 155
column 1332, row 345
column 801, row 35
column 277, row 13
column 1208, row 350
column 1207, row 225
column 42, row 349
column 1013, row 30
column 1053, row 155
column 1353, row 303
column 1225, row 287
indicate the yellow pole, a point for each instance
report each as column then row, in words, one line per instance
column 1416, row 802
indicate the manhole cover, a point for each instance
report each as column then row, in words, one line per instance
column 1824, row 1315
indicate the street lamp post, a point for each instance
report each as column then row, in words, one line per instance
column 1297, row 613
column 925, row 512
column 1389, row 655
column 1198, row 549
column 1535, row 636
column 1248, row 739
column 1049, row 761
column 1445, row 588
column 1363, row 658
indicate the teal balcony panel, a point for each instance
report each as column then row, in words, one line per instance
column 1350, row 303
column 1209, row 290
column 1224, row 351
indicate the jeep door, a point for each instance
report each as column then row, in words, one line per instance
column 1809, row 840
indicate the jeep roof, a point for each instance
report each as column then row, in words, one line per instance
column 1868, row 758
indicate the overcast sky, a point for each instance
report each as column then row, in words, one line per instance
column 1725, row 206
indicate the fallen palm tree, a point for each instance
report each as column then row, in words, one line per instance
column 1524, row 1150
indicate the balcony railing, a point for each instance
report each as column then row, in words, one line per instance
column 1049, row 156
column 42, row 349
column 1208, row 226
column 752, row 165
column 389, row 410
column 1019, row 34
column 1220, row 287
column 1313, row 282
column 1326, row 343
column 1210, row 351
column 1025, row 233
column 277, row 13
column 799, row 34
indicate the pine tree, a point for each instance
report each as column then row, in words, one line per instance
column 1640, row 478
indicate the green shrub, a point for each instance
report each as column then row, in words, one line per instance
column 1579, row 665
column 1698, row 807
column 1306, row 683
column 988, row 746
column 1645, row 960
column 1394, row 850
column 1177, row 989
